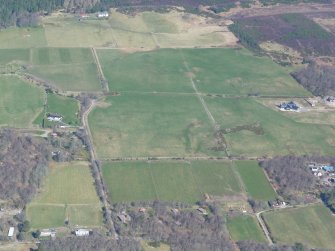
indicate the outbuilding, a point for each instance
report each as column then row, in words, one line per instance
column 11, row 232
column 82, row 232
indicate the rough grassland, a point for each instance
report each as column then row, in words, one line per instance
column 253, row 177
column 266, row 132
column 313, row 225
column 69, row 187
column 161, row 71
column 245, row 227
column 22, row 37
column 20, row 102
column 67, row 69
column 69, row 32
column 10, row 55
column 151, row 125
column 237, row 71
column 168, row 181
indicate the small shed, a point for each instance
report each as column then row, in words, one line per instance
column 11, row 232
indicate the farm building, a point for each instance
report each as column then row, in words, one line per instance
column 202, row 211
column 328, row 168
column 103, row 14
column 11, row 232
column 82, row 232
column 290, row 106
column 54, row 117
column 124, row 217
column 48, row 233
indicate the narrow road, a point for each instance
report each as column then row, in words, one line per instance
column 103, row 80
column 264, row 227
column 97, row 171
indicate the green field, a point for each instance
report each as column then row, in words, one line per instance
column 69, row 193
column 20, row 102
column 312, row 225
column 237, row 71
column 255, row 130
column 69, row 69
column 69, row 32
column 245, row 227
column 255, row 181
column 11, row 55
column 222, row 71
column 215, row 177
column 169, row 181
column 151, row 125
column 22, row 37
column 67, row 107
column 160, row 71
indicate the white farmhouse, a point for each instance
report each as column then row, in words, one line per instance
column 82, row 232
column 103, row 14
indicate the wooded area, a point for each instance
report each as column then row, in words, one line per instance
column 95, row 242
column 23, row 165
column 318, row 79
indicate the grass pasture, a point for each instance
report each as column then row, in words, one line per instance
column 64, row 106
column 14, row 55
column 169, row 181
column 245, row 227
column 215, row 177
column 237, row 71
column 161, row 71
column 67, row 31
column 255, row 130
column 67, row 107
column 15, row 110
column 255, row 181
column 312, row 225
column 151, row 125
column 22, row 38
column 68, row 194
column 217, row 71
column 70, row 69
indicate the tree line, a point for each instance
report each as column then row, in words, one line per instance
column 15, row 12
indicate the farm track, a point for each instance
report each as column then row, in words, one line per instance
column 103, row 80
column 97, row 171
column 264, row 227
